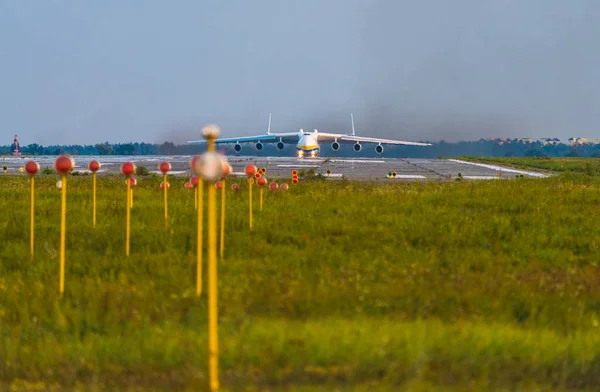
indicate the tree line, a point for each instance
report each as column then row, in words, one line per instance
column 513, row 148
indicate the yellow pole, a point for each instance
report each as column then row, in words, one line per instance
column 94, row 199
column 213, row 345
column 250, row 181
column 196, row 197
column 63, row 224
column 128, row 219
column 166, row 205
column 261, row 198
column 31, row 239
column 200, row 201
column 222, row 245
column 131, row 198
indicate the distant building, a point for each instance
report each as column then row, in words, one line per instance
column 16, row 151
column 500, row 140
column 578, row 141
column 526, row 140
column 550, row 141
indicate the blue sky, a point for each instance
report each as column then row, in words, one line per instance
column 91, row 71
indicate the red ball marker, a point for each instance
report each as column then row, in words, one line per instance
column 189, row 185
column 261, row 181
column 63, row 165
column 32, row 168
column 273, row 186
column 94, row 166
column 127, row 169
column 235, row 187
column 132, row 181
column 294, row 180
column 164, row 167
column 250, row 170
column 284, row 187
column 257, row 175
column 194, row 162
column 162, row 185
column 194, row 180
column 218, row 185
column 227, row 169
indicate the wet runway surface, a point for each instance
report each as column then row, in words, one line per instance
column 362, row 169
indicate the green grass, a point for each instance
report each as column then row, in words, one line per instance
column 340, row 286
column 589, row 166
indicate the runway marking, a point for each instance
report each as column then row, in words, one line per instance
column 409, row 176
column 482, row 177
column 174, row 172
column 297, row 165
column 355, row 161
column 501, row 168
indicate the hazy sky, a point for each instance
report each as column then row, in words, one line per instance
column 112, row 70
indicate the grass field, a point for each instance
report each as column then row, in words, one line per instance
column 589, row 166
column 340, row 287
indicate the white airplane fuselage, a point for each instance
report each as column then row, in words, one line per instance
column 307, row 144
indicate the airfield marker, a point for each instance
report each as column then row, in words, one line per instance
column 273, row 186
column 284, row 187
column 261, row 182
column 32, row 168
column 200, row 202
column 250, row 171
column 94, row 166
column 394, row 174
column 63, row 165
column 4, row 168
column 133, row 182
column 194, row 182
column 227, row 169
column 211, row 168
column 164, row 167
column 328, row 173
column 127, row 169
column 199, row 199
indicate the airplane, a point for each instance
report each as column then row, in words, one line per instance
column 307, row 143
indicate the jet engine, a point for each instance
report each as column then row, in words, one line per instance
column 335, row 146
column 280, row 145
column 379, row 149
column 258, row 146
column 237, row 147
column 357, row 147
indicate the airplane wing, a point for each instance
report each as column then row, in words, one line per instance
column 272, row 138
column 341, row 138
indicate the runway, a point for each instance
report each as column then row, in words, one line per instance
column 354, row 169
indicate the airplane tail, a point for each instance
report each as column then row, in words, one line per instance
column 352, row 120
column 269, row 126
